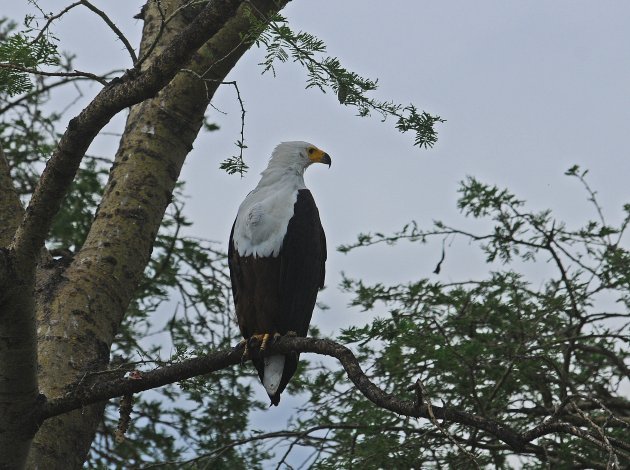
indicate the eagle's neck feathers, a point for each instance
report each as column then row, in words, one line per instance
column 279, row 177
column 264, row 215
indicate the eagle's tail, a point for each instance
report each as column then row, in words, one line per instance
column 275, row 373
column 274, row 367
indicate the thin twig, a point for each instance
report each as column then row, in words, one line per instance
column 613, row 460
column 239, row 143
column 52, row 18
column 76, row 73
column 48, row 87
column 113, row 27
column 423, row 396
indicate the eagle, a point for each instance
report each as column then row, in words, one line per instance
column 277, row 256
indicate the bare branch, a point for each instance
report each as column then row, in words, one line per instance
column 76, row 73
column 132, row 88
column 100, row 13
column 48, row 87
column 140, row 382
column 113, row 27
column 235, row 164
column 52, row 18
column 10, row 206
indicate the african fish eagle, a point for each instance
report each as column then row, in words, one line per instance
column 276, row 255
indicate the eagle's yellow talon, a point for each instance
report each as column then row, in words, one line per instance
column 245, row 355
column 254, row 338
column 265, row 341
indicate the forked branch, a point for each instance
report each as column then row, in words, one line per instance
column 130, row 89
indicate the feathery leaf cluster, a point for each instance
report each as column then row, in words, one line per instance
column 19, row 52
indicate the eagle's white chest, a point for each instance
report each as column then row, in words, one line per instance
column 263, row 218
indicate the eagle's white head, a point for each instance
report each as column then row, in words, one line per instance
column 296, row 156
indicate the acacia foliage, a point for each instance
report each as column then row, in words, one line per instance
column 515, row 347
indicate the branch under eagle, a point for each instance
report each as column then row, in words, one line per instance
column 218, row 360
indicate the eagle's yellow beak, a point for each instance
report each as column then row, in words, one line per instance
column 319, row 156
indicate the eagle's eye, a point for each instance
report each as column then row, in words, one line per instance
column 311, row 150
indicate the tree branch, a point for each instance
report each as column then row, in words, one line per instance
column 130, row 89
column 11, row 210
column 52, row 18
column 113, row 27
column 47, row 87
column 76, row 73
column 214, row 361
column 82, row 396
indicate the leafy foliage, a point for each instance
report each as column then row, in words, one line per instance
column 19, row 51
column 282, row 44
column 235, row 163
column 510, row 347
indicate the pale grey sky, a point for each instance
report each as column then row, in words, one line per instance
column 528, row 89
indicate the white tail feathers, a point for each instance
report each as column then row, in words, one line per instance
column 274, row 366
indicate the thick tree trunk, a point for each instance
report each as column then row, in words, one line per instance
column 80, row 307
column 18, row 361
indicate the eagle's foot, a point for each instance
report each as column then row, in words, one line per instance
column 245, row 345
column 265, row 341
column 254, row 338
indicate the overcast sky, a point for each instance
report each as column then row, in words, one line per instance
column 528, row 88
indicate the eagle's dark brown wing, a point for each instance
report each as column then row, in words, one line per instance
column 278, row 294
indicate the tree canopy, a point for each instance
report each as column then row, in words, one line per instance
column 518, row 367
